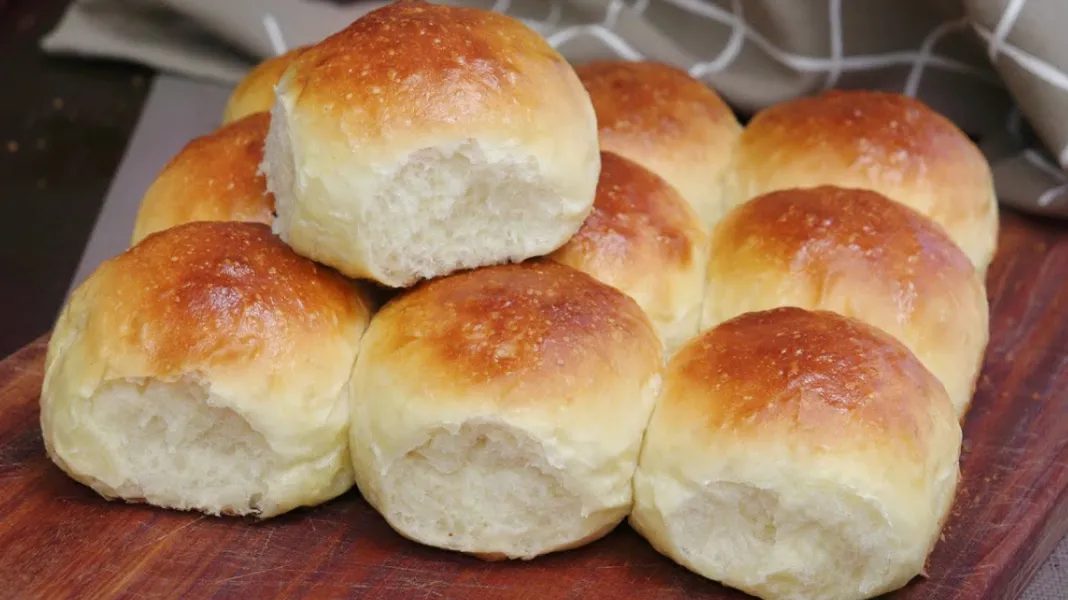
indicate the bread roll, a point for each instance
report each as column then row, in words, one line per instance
column 880, row 141
column 499, row 412
column 255, row 93
column 643, row 239
column 859, row 254
column 424, row 139
column 668, row 122
column 204, row 369
column 798, row 455
column 215, row 177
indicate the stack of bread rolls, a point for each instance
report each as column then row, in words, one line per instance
column 607, row 299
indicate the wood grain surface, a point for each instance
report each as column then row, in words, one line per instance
column 59, row 540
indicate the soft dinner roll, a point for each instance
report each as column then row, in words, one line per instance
column 881, row 141
column 499, row 411
column 667, row 121
column 859, row 254
column 798, row 455
column 215, row 177
column 204, row 369
column 255, row 93
column 424, row 139
column 643, row 239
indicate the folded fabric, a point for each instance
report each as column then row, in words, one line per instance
column 998, row 68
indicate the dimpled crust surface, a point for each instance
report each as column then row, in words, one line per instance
column 419, row 119
column 862, row 255
column 255, row 93
column 643, row 239
column 881, row 141
column 798, row 454
column 564, row 368
column 215, row 177
column 667, row 121
column 227, row 307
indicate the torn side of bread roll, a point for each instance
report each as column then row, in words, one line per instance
column 668, row 122
column 205, row 369
column 859, row 254
column 425, row 139
column 215, row 177
column 499, row 412
column 644, row 239
column 886, row 142
column 798, row 455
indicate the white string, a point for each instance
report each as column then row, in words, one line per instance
column 611, row 13
column 1044, row 165
column 730, row 51
column 1050, row 74
column 804, row 63
column 1008, row 19
column 640, row 6
column 616, row 43
column 274, row 34
column 555, row 12
column 835, row 9
column 1063, row 157
column 501, row 5
column 1051, row 194
column 912, row 84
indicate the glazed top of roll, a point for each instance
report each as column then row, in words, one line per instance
column 831, row 232
column 667, row 121
column 791, row 376
column 641, row 238
column 886, row 142
column 255, row 92
column 215, row 177
column 226, row 301
column 525, row 334
column 438, row 72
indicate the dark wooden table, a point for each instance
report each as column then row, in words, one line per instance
column 64, row 124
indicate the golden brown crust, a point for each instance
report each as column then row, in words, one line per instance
column 255, row 93
column 434, row 66
column 216, row 293
column 876, row 140
column 638, row 221
column 652, row 104
column 665, row 120
column 811, row 374
column 516, row 324
column 215, row 177
column 830, row 232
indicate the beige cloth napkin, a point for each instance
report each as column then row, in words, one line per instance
column 999, row 68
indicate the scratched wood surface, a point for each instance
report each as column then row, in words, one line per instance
column 57, row 539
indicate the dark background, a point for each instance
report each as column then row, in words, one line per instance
column 64, row 124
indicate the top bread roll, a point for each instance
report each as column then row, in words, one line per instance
column 204, row 369
column 861, row 255
column 880, row 141
column 424, row 139
column 255, row 93
column 668, row 122
column 215, row 177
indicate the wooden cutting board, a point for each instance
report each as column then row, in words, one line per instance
column 59, row 540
